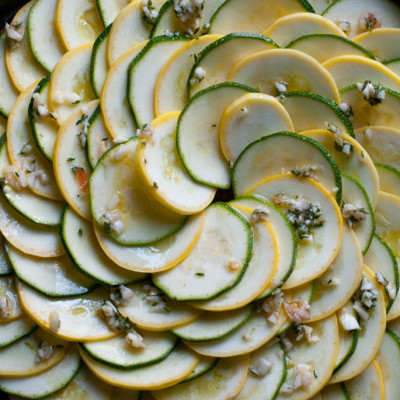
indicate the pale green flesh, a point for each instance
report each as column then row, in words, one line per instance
column 44, row 129
column 150, row 222
column 320, row 5
column 14, row 330
column 379, row 258
column 31, row 206
column 265, row 387
column 323, row 47
column 8, row 92
column 143, row 73
column 117, row 353
column 285, row 236
column 211, row 326
column 83, row 248
column 98, row 62
column 354, row 193
column 206, row 364
column 54, row 277
column 311, row 111
column 389, row 179
column 206, row 273
column 197, row 134
column 47, row 382
column 218, row 58
column 5, row 267
column 334, row 392
column 98, row 139
column 44, row 38
column 280, row 153
column 110, row 9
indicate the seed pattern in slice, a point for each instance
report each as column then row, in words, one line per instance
column 265, row 69
column 218, row 260
column 223, row 381
column 78, row 22
column 290, row 27
column 22, row 66
column 44, row 39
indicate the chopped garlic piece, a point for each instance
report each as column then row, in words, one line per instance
column 110, row 314
column 309, row 334
column 146, row 132
column 348, row 322
column 261, row 366
column 119, row 139
column 54, row 321
column 360, row 310
column 298, row 311
column 7, row 306
column 135, row 339
column 198, row 75
column 272, row 306
column 368, row 134
column 44, row 352
column 62, row 98
column 344, row 26
column 259, row 214
column 121, row 295
column 189, row 12
column 15, row 33
column 234, row 265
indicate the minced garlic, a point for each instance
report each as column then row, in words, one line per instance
column 44, row 352
column 135, row 339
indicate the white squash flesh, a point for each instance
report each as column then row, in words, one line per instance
column 110, row 9
column 388, row 179
column 11, row 331
column 300, row 71
column 46, row 44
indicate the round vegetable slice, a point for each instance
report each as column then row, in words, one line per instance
column 218, row 260
column 11, row 310
column 159, row 163
column 128, row 212
column 201, row 153
column 288, row 152
column 388, row 179
column 12, row 331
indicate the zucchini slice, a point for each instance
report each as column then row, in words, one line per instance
column 381, row 143
column 223, row 381
column 8, row 291
column 22, row 66
column 35, row 239
column 337, row 285
column 156, row 257
column 218, row 58
column 262, row 268
column 298, row 70
column 290, row 27
column 129, row 29
column 168, row 372
column 311, row 111
column 53, row 277
column 310, row 354
column 284, row 152
column 35, row 208
column 98, row 62
column 44, row 129
column 8, row 92
column 320, row 6
column 79, row 316
column 45, row 41
column 346, row 70
column 155, row 312
column 370, row 336
column 388, row 179
column 71, row 77
column 110, row 9
column 98, row 139
column 159, row 163
column 381, row 43
column 314, row 255
column 20, row 359
column 170, row 92
column 71, row 166
column 380, row 258
column 213, row 326
column 368, row 384
column 197, row 137
column 387, row 227
column 249, row 118
column 218, row 260
column 284, row 234
column 80, row 242
column 114, row 103
column 205, row 365
column 143, row 72
column 46, row 383
column 12, row 331
column 254, row 15
column 5, row 267
column 259, row 386
column 78, row 22
column 355, row 194
column 352, row 11
column 356, row 163
column 394, row 65
column 388, row 357
column 253, row 334
column 117, row 353
column 23, row 152
column 364, row 114
column 150, row 221
column 326, row 46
